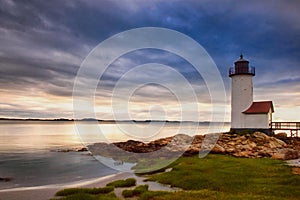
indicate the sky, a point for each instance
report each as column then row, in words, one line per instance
column 45, row 43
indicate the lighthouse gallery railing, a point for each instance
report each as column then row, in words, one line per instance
column 241, row 70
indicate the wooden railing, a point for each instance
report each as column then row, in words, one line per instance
column 286, row 125
column 293, row 127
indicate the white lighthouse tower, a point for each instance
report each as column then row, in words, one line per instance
column 241, row 91
column 246, row 114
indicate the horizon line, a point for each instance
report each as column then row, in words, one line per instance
column 101, row 120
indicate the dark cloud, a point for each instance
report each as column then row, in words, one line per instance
column 43, row 43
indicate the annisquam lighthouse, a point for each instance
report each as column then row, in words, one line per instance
column 246, row 114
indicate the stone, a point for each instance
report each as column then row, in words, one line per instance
column 253, row 145
column 5, row 179
column 278, row 156
column 265, row 152
column 276, row 143
column 231, row 143
column 286, row 154
column 218, row 149
column 82, row 149
column 168, row 169
column 260, row 135
column 246, row 147
column 238, row 141
column 245, row 154
column 230, row 150
column 281, row 135
column 296, row 170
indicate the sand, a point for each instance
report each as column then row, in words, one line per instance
column 48, row 191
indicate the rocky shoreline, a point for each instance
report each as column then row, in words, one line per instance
column 81, row 149
column 256, row 145
column 5, row 179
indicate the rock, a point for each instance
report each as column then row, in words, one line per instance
column 192, row 150
column 168, row 169
column 198, row 139
column 244, row 142
column 231, row 143
column 230, row 150
column 251, row 145
column 5, row 179
column 82, row 149
column 64, row 150
column 260, row 135
column 218, row 149
column 264, row 154
column 238, row 141
column 245, row 154
column 247, row 147
column 286, row 154
column 296, row 170
column 276, row 143
column 281, row 135
column 278, row 156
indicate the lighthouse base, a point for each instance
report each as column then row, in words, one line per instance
column 243, row 131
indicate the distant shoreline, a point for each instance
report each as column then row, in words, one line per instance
column 105, row 121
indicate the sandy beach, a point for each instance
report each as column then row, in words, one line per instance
column 48, row 191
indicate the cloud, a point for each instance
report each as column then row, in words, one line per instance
column 43, row 44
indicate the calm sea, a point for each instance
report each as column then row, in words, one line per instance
column 28, row 149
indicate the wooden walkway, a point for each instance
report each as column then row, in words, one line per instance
column 293, row 127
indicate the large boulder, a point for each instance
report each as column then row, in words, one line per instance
column 286, row 154
column 281, row 135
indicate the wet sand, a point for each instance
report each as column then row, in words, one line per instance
column 48, row 191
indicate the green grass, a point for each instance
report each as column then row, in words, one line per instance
column 71, row 191
column 203, row 195
column 123, row 183
column 151, row 166
column 105, row 193
column 235, row 178
column 135, row 192
column 154, row 194
column 213, row 177
column 84, row 196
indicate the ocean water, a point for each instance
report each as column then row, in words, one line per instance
column 28, row 149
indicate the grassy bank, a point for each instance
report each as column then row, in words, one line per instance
column 219, row 177
column 226, row 177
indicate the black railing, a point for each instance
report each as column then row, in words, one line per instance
column 241, row 70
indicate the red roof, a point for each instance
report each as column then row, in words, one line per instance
column 261, row 107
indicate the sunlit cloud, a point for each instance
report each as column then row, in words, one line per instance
column 43, row 44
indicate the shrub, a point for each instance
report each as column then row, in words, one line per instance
column 136, row 192
column 71, row 191
column 83, row 196
column 152, row 194
column 128, row 193
column 80, row 196
column 104, row 190
column 123, row 183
